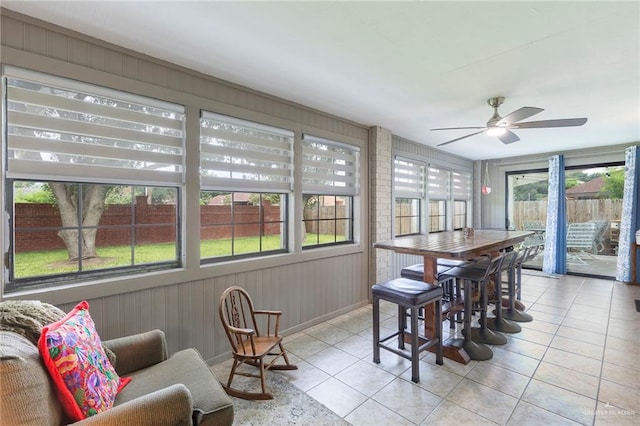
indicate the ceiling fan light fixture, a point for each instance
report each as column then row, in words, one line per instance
column 496, row 131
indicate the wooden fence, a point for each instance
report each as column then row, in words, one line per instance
column 577, row 211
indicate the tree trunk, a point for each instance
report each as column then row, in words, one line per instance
column 93, row 204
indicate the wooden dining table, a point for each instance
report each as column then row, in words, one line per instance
column 451, row 245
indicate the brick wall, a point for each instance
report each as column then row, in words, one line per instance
column 154, row 223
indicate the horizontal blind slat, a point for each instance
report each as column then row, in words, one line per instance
column 238, row 154
column 21, row 95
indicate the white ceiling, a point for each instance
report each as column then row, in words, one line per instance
column 405, row 66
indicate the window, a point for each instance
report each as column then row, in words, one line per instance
column 438, row 189
column 437, row 215
column 329, row 185
column 461, row 188
column 94, row 177
column 245, row 179
column 408, row 189
column 459, row 214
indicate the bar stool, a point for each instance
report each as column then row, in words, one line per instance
column 512, row 312
column 470, row 277
column 499, row 323
column 412, row 295
column 449, row 290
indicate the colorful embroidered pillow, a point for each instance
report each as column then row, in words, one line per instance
column 71, row 350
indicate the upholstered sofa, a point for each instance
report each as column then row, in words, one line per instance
column 176, row 390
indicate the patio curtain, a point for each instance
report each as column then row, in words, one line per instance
column 555, row 249
column 629, row 222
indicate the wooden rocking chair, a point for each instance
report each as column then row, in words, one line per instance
column 248, row 345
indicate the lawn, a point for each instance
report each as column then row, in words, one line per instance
column 50, row 262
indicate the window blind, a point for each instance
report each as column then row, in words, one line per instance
column 438, row 183
column 239, row 154
column 63, row 129
column 328, row 167
column 408, row 178
column 461, row 184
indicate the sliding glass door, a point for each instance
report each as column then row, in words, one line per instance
column 594, row 208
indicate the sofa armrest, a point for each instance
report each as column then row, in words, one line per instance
column 169, row 406
column 138, row 351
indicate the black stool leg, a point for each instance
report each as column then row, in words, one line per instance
column 415, row 343
column 438, row 331
column 376, row 330
column 402, row 325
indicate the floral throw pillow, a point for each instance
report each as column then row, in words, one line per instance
column 85, row 381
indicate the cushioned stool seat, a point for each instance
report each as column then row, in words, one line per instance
column 416, row 272
column 412, row 295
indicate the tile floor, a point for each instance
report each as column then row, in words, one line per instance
column 577, row 362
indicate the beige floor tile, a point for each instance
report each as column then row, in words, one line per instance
column 621, row 357
column 539, row 325
column 621, row 375
column 578, row 347
column 408, row 400
column 581, row 324
column 546, row 317
column 527, row 414
column 483, row 400
column 551, row 310
column 513, row 361
column 305, row 346
column 305, row 377
column 331, row 360
column 436, row 379
column 372, row 413
column 524, row 347
column 581, row 335
column 621, row 396
column 330, row 334
column 623, row 345
column 337, row 396
column 365, row 377
column 499, row 378
column 560, row 401
column 566, row 378
column 573, row 361
column 450, row 414
column 357, row 346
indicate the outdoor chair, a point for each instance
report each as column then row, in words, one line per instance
column 250, row 344
column 581, row 241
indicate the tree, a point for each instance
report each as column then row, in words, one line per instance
column 613, row 186
column 93, row 201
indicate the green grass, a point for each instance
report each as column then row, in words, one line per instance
column 50, row 262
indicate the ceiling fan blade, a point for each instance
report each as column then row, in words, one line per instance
column 458, row 128
column 519, row 114
column 565, row 122
column 508, row 137
column 462, row 137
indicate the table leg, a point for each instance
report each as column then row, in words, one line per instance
column 452, row 348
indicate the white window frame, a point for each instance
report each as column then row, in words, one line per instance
column 127, row 139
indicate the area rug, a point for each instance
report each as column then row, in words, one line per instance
column 289, row 406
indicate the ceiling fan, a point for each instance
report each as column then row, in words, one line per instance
column 500, row 126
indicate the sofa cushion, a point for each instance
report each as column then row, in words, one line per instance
column 26, row 392
column 71, row 350
column 27, row 317
column 187, row 367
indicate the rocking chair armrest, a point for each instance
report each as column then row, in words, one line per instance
column 267, row 312
column 247, row 331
